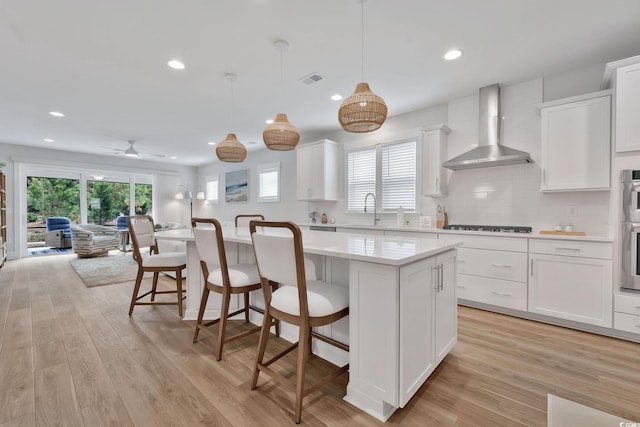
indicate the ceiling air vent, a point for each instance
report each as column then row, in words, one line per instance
column 311, row 78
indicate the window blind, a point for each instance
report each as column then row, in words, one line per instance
column 269, row 184
column 399, row 176
column 361, row 178
column 212, row 189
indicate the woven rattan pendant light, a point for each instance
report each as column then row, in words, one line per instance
column 281, row 135
column 364, row 111
column 231, row 150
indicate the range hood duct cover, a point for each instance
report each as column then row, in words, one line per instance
column 489, row 152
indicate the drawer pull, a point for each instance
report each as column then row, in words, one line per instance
column 461, row 287
column 462, row 261
column 569, row 249
column 501, row 265
column 502, row 294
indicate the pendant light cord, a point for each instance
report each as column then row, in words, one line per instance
column 362, row 39
column 281, row 82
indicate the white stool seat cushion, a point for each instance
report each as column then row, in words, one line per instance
column 323, row 299
column 167, row 259
column 239, row 275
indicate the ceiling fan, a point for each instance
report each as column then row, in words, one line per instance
column 132, row 152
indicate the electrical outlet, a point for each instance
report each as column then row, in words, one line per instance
column 573, row 210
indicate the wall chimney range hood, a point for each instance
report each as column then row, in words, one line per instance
column 489, row 152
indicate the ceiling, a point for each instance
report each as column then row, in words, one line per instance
column 103, row 63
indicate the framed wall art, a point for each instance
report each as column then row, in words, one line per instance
column 236, row 186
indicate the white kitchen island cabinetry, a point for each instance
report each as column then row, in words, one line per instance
column 434, row 152
column 318, row 171
column 383, row 271
column 576, row 143
column 571, row 280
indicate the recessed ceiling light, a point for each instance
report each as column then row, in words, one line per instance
column 48, row 140
column 56, row 113
column 336, row 97
column 452, row 54
column 175, row 64
column 173, row 157
column 211, row 143
column 269, row 121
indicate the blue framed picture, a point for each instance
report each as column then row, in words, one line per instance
column 236, row 186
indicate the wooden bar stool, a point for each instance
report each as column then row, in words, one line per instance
column 243, row 220
column 141, row 229
column 223, row 279
column 303, row 303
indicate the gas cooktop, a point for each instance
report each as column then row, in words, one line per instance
column 494, row 228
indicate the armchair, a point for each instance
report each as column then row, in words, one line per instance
column 58, row 233
column 93, row 240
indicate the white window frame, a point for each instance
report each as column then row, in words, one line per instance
column 209, row 195
column 269, row 168
column 378, row 167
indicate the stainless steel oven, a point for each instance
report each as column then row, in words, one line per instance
column 630, row 276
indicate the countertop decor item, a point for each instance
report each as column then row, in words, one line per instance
column 363, row 111
column 564, row 233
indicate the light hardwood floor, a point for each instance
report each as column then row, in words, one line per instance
column 71, row 356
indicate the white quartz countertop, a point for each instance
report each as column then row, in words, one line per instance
column 380, row 249
column 533, row 235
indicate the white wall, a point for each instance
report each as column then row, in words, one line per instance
column 166, row 178
column 289, row 208
column 504, row 195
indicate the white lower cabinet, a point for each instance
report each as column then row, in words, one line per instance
column 501, row 293
column 574, row 288
column 493, row 270
column 428, row 319
column 627, row 313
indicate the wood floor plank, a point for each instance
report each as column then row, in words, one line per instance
column 56, row 403
column 28, row 420
column 92, row 382
column 106, row 413
column 17, row 396
column 17, row 329
column 498, row 374
column 191, row 406
column 145, row 404
column 107, row 342
column 48, row 347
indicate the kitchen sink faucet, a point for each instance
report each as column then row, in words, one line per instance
column 375, row 212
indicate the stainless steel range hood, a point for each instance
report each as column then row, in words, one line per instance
column 489, row 152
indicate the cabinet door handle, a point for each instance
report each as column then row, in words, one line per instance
column 502, row 294
column 568, row 249
column 544, row 176
column 442, row 277
column 461, row 287
column 462, row 261
column 501, row 265
column 531, row 268
column 437, row 287
column 437, row 185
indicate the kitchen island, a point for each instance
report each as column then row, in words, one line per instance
column 402, row 299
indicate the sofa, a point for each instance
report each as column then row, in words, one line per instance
column 89, row 240
column 58, row 233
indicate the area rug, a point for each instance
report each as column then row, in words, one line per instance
column 116, row 268
column 48, row 251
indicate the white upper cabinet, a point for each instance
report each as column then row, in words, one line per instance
column 627, row 108
column 434, row 152
column 576, row 143
column 318, row 171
